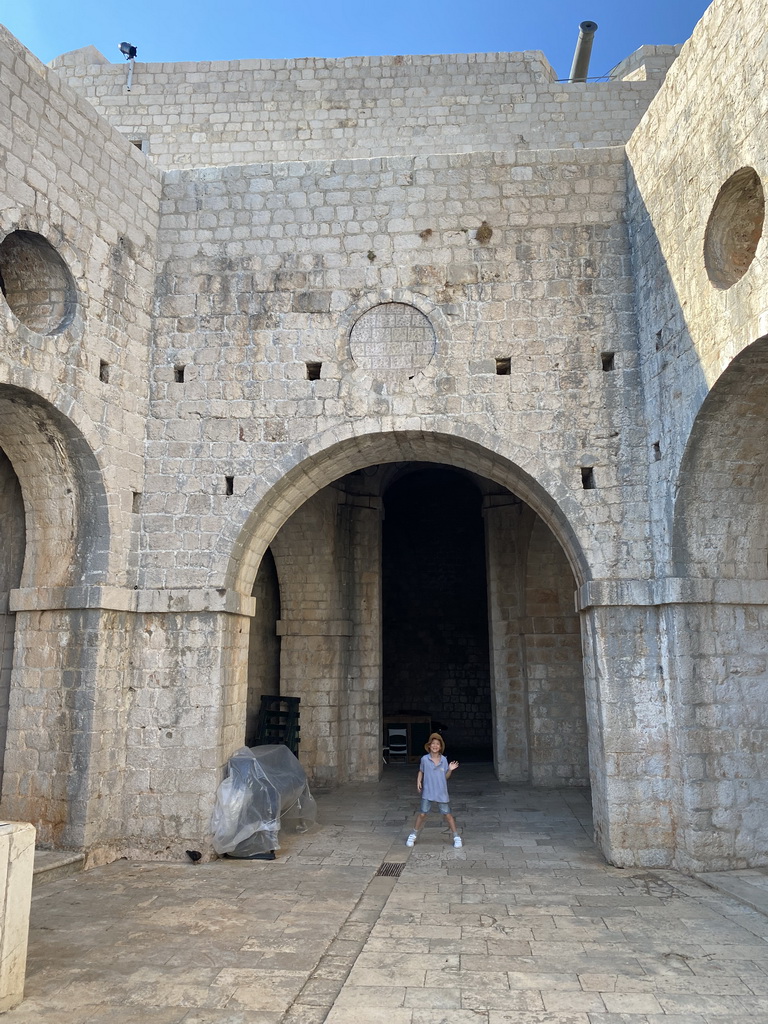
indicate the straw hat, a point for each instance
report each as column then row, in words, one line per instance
column 435, row 736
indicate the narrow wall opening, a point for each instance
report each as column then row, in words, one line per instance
column 13, row 533
column 264, row 645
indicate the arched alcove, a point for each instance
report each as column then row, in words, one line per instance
column 66, row 511
column 55, row 509
column 720, row 526
column 719, row 635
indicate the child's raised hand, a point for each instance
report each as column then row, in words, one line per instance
column 453, row 765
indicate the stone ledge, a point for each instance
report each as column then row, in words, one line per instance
column 315, row 627
column 650, row 593
column 748, row 886
column 118, row 599
column 53, row 864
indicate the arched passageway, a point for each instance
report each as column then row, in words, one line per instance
column 478, row 633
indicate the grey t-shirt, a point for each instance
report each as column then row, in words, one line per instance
column 434, row 785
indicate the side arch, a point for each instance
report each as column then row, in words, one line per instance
column 718, row 637
column 720, row 527
column 54, row 654
column 66, row 509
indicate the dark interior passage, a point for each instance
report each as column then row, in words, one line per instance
column 264, row 646
column 12, row 549
column 435, row 615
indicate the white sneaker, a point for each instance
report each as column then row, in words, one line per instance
column 411, row 839
column 457, row 843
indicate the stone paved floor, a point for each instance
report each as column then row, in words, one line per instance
column 525, row 925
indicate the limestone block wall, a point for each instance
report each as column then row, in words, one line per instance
column 719, row 723
column 698, row 131
column 184, row 715
column 78, row 224
column 71, row 182
column 699, row 171
column 552, row 638
column 249, row 111
column 507, row 531
column 276, row 263
column 372, row 261
column 632, row 766
column 361, row 711
column 310, row 555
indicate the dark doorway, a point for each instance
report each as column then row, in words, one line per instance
column 435, row 614
column 13, row 534
column 264, row 645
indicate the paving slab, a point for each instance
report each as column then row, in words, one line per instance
column 526, row 924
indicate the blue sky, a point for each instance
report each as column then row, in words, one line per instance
column 171, row 30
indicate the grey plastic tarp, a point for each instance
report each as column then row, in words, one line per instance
column 265, row 790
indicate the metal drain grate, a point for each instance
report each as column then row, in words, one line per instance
column 393, row 870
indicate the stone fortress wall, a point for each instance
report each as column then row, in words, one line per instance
column 253, row 111
column 319, row 277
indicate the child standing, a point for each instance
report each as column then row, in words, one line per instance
column 432, row 784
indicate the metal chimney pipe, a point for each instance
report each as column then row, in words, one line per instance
column 583, row 52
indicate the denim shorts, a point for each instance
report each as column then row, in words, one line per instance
column 426, row 806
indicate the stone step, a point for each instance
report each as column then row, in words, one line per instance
column 748, row 885
column 53, row 864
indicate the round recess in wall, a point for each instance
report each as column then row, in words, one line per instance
column 392, row 336
column 734, row 228
column 36, row 283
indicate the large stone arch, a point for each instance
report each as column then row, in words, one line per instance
column 718, row 627
column 54, row 643
column 275, row 497
column 329, row 655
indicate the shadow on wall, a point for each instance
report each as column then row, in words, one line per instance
column 721, row 544
column 708, row 500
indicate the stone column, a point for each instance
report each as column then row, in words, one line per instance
column 129, row 704
column 17, row 859
column 625, row 679
column 361, row 713
column 310, row 558
column 509, row 701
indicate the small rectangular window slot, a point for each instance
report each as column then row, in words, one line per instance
column 138, row 143
column 103, row 372
column 313, row 371
column 229, row 484
column 608, row 361
column 504, row 367
column 659, row 339
column 178, row 373
column 136, row 502
column 656, row 451
column 588, row 478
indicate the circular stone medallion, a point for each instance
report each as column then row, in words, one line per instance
column 392, row 336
